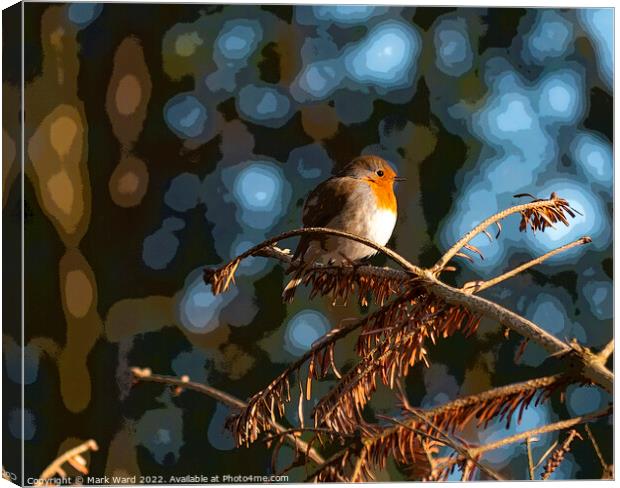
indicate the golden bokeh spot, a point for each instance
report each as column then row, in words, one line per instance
column 289, row 41
column 59, row 172
column 61, row 191
column 422, row 144
column 78, row 293
column 185, row 44
column 129, row 182
column 128, row 94
column 56, row 38
column 62, row 135
column 122, row 458
column 133, row 316
column 234, row 362
column 75, row 381
column 83, row 328
column 319, row 121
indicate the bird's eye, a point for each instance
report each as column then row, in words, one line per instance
column 380, row 172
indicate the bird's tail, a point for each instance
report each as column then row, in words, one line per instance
column 289, row 290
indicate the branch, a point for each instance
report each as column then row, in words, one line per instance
column 73, row 457
column 590, row 365
column 554, row 205
column 285, row 256
column 607, row 351
column 519, row 269
column 562, row 425
column 455, row 444
column 530, row 461
column 547, row 453
column 593, row 370
column 221, row 277
column 145, row 375
column 597, row 449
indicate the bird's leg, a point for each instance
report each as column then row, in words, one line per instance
column 349, row 263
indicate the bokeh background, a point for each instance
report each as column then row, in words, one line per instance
column 160, row 139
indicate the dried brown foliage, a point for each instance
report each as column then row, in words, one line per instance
column 221, row 278
column 410, row 447
column 391, row 342
column 497, row 404
column 540, row 218
column 270, row 402
column 342, row 282
column 413, row 442
column 73, row 457
column 559, row 454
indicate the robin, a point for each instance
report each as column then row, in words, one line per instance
column 360, row 200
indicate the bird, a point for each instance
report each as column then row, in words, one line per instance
column 358, row 199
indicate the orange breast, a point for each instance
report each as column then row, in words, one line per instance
column 384, row 194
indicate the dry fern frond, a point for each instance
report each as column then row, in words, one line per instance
column 540, row 218
column 341, row 409
column 500, row 402
column 269, row 403
column 392, row 341
column 445, row 467
column 537, row 214
column 340, row 282
column 409, row 321
column 408, row 446
column 73, row 457
column 221, row 278
column 559, row 454
column 338, row 467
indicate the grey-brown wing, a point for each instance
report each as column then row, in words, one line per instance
column 323, row 204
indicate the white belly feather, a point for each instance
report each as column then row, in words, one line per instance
column 381, row 226
column 378, row 227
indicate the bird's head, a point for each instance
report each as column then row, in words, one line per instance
column 372, row 169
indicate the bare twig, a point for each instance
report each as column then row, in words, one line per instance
column 519, row 269
column 557, row 426
column 591, row 368
column 547, row 452
column 285, row 256
column 463, row 241
column 221, row 277
column 530, row 461
column 597, row 449
column 562, row 425
column 145, row 375
column 55, row 469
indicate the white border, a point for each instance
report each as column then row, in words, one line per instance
column 479, row 3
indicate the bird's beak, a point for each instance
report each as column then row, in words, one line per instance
column 400, row 178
